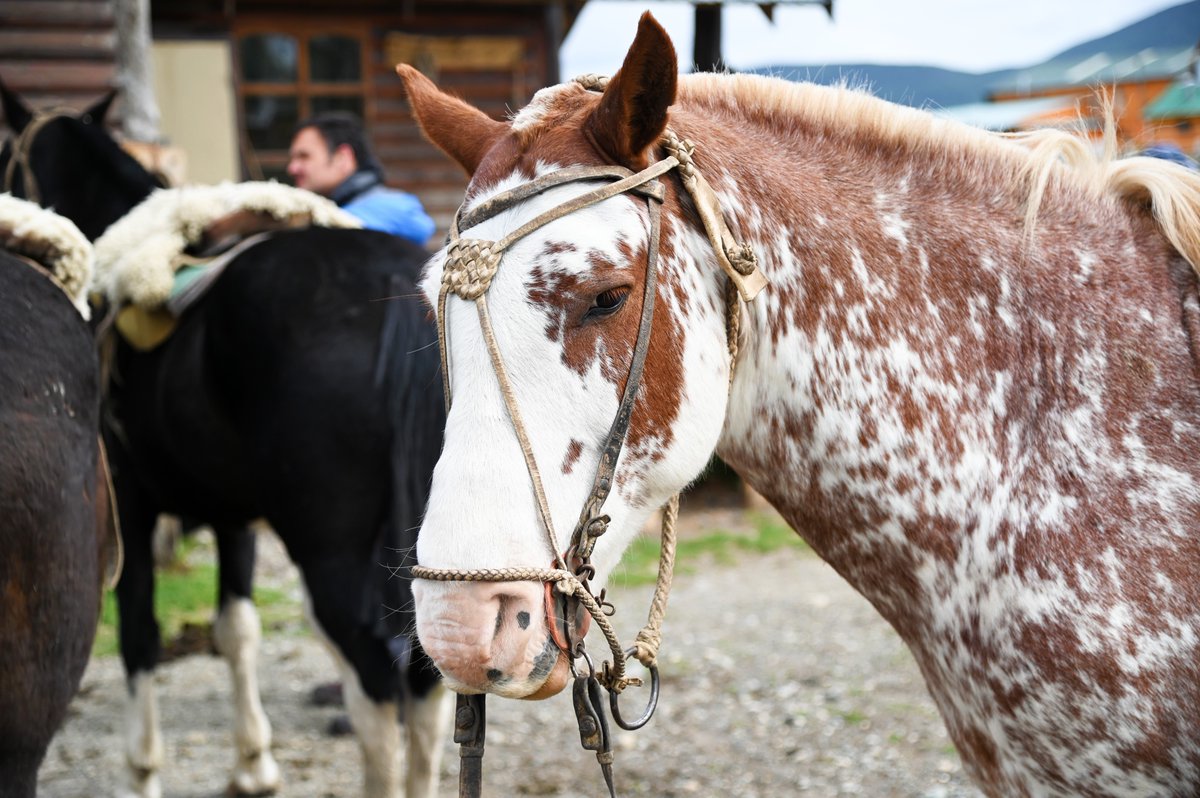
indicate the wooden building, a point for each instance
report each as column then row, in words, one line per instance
column 1134, row 83
column 233, row 77
column 293, row 58
column 58, row 52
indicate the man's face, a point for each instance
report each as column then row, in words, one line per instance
column 312, row 166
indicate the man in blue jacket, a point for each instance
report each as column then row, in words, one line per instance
column 330, row 156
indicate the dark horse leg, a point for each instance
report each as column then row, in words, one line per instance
column 139, row 637
column 237, row 633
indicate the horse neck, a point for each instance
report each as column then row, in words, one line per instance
column 879, row 401
column 103, row 184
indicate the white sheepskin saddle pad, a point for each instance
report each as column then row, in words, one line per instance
column 51, row 240
column 138, row 256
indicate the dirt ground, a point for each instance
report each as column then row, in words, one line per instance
column 778, row 680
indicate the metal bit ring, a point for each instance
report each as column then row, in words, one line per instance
column 652, row 704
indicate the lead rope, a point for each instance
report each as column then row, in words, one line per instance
column 470, row 266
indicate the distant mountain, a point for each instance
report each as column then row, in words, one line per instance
column 920, row 86
column 926, row 86
column 1174, row 27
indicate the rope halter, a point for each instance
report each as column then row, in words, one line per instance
column 470, row 266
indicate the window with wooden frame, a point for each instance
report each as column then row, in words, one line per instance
column 285, row 73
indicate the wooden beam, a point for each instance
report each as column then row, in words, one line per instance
column 57, row 76
column 56, row 13
column 57, row 44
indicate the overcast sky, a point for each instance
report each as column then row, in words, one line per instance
column 968, row 35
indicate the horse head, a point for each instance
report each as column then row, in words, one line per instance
column 553, row 341
column 70, row 163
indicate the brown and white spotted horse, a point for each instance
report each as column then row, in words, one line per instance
column 971, row 385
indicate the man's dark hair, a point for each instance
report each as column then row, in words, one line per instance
column 343, row 127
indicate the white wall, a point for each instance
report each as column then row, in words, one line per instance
column 194, row 87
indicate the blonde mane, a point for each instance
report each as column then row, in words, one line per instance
column 1172, row 192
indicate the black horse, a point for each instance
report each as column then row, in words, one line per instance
column 53, row 530
column 302, row 388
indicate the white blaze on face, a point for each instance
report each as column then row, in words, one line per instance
column 482, row 511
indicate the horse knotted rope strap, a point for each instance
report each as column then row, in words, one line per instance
column 470, row 266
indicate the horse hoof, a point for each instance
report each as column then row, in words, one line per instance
column 328, row 694
column 340, row 727
column 234, row 792
column 256, row 776
column 143, row 787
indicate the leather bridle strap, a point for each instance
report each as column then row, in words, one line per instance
column 591, row 525
column 22, row 148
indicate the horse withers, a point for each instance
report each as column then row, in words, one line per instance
column 301, row 388
column 970, row 383
column 56, row 535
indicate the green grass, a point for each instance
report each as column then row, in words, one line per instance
column 186, row 593
column 639, row 566
column 852, row 717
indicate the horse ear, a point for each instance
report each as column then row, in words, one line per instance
column 95, row 113
column 633, row 111
column 16, row 113
column 461, row 131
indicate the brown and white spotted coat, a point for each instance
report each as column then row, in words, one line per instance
column 990, row 429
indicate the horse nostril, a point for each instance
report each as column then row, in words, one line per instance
column 494, row 675
column 523, row 619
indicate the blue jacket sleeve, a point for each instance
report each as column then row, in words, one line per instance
column 393, row 212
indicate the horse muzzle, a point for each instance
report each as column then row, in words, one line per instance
column 505, row 638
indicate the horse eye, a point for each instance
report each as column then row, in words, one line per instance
column 608, row 302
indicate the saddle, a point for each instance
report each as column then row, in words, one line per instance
column 50, row 243
column 162, row 256
column 196, row 271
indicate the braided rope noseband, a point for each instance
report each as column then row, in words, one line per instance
column 470, row 267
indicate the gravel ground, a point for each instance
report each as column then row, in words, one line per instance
column 778, row 680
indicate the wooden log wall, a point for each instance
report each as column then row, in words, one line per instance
column 495, row 84
column 58, row 52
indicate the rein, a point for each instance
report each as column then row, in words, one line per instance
column 22, row 148
column 470, row 266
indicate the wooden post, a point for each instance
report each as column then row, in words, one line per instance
column 706, row 47
column 135, row 75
